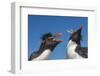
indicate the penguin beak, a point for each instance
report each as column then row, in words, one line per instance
column 59, row 41
column 56, row 36
column 79, row 30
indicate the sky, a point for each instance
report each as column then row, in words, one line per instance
column 41, row 24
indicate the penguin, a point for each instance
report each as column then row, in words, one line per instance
column 74, row 48
column 48, row 44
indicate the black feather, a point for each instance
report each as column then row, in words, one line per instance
column 45, row 36
column 82, row 51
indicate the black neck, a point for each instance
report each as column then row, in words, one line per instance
column 78, row 42
column 44, row 47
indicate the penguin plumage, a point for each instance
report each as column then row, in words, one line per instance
column 74, row 48
column 48, row 43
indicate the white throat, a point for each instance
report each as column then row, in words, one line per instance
column 44, row 55
column 71, row 54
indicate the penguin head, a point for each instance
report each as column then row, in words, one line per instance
column 50, row 41
column 76, row 36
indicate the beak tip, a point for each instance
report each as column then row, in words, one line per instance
column 59, row 41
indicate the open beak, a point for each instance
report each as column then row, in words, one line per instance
column 58, row 35
column 55, row 37
column 79, row 30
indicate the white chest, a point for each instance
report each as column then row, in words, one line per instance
column 44, row 55
column 71, row 54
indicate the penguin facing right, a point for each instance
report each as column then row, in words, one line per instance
column 48, row 44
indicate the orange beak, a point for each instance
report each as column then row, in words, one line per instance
column 58, row 35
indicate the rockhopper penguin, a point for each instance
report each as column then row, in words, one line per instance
column 74, row 48
column 48, row 44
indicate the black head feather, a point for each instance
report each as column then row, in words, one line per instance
column 76, row 36
column 45, row 36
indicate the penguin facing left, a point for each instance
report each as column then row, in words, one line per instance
column 74, row 48
column 48, row 44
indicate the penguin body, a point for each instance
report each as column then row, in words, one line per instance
column 44, row 56
column 74, row 48
column 48, row 44
column 72, row 54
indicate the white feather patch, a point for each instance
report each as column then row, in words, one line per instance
column 44, row 55
column 71, row 54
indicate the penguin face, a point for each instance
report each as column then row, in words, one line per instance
column 51, row 41
column 76, row 36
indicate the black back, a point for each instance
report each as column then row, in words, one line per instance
column 82, row 51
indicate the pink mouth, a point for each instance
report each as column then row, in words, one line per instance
column 58, row 35
column 59, row 41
